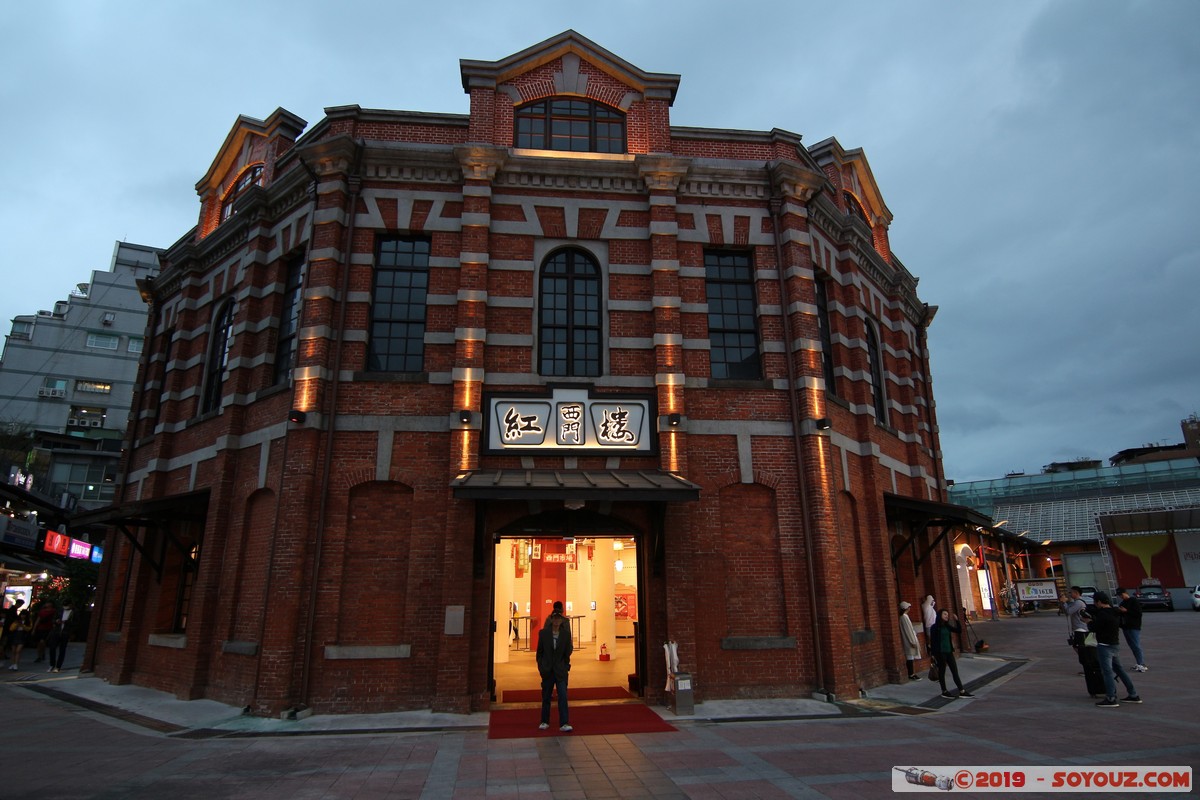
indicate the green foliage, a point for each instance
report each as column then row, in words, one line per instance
column 76, row 587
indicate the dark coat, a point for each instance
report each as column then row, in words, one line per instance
column 935, row 635
column 554, row 660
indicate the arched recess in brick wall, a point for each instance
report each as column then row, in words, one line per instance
column 253, row 565
column 753, row 571
column 858, row 569
column 373, row 602
column 907, row 583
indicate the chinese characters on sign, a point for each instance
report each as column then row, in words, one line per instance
column 570, row 419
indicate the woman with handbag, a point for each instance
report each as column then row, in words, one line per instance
column 941, row 647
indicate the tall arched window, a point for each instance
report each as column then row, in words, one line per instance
column 220, row 340
column 569, row 311
column 878, row 395
column 571, row 124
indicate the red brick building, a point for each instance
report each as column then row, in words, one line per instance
column 411, row 365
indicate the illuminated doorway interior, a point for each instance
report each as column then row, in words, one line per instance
column 596, row 578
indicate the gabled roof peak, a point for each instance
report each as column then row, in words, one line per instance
column 489, row 74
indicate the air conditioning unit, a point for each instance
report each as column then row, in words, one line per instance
column 47, row 391
column 72, row 422
column 97, row 423
column 109, row 318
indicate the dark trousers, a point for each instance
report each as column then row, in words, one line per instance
column 549, row 684
column 946, row 661
column 57, row 647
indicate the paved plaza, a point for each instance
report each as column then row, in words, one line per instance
column 72, row 736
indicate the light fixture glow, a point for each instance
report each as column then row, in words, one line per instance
column 618, row 565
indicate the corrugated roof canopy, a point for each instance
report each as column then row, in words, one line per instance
column 555, row 484
column 1146, row 521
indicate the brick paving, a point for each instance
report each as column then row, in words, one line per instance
column 1032, row 709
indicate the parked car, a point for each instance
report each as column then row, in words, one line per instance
column 1154, row 596
column 1088, row 595
column 1196, row 598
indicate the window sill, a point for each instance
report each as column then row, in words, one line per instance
column 735, row 383
column 392, row 377
column 176, row 641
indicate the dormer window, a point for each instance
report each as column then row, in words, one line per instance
column 854, row 208
column 251, row 177
column 577, row 126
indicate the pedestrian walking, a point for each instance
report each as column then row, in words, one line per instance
column 941, row 648
column 908, row 637
column 1130, row 610
column 554, row 649
column 1105, row 623
column 18, row 634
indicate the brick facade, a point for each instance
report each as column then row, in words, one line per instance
column 326, row 552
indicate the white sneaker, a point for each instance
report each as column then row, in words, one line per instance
column 543, row 726
column 1142, row 668
column 13, row 667
column 566, row 729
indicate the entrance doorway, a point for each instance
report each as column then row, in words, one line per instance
column 596, row 579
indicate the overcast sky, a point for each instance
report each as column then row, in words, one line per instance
column 1040, row 157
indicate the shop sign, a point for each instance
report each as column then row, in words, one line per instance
column 18, row 533
column 97, row 554
column 57, row 543
column 558, row 558
column 1033, row 591
column 80, row 549
column 570, row 418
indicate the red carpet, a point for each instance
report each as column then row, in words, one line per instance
column 583, row 693
column 522, row 723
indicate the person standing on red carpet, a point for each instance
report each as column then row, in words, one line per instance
column 554, row 650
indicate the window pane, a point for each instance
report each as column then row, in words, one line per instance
column 732, row 317
column 398, row 305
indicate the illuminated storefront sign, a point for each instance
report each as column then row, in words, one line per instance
column 570, row 418
column 80, row 549
column 97, row 554
column 57, row 543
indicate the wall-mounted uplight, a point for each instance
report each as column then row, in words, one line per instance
column 823, row 423
column 464, row 416
column 297, row 416
column 674, row 419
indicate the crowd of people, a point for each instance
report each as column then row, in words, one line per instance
column 1094, row 632
column 46, row 630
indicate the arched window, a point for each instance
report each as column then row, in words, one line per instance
column 569, row 308
column 878, row 396
column 855, row 208
column 220, row 340
column 251, row 177
column 570, row 124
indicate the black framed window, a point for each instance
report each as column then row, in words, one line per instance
column 732, row 318
column 398, row 305
column 579, row 126
column 821, row 287
column 220, row 340
column 251, row 177
column 878, row 396
column 289, row 322
column 569, row 308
